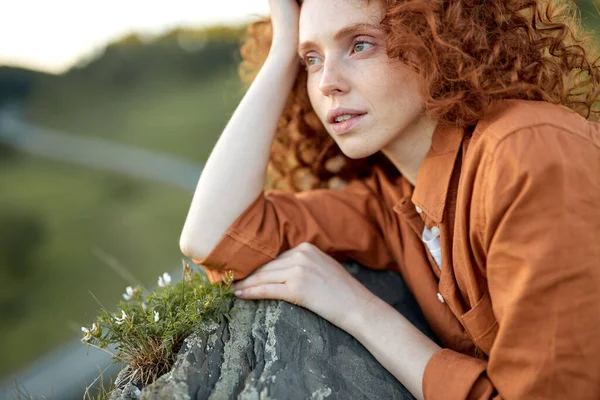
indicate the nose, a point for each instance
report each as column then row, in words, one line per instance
column 333, row 80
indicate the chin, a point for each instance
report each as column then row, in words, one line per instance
column 357, row 152
column 361, row 143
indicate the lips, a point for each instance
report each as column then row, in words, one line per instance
column 346, row 126
column 334, row 113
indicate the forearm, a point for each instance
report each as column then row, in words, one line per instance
column 397, row 344
column 235, row 172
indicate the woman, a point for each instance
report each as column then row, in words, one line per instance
column 464, row 133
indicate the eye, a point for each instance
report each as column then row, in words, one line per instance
column 361, row 46
column 311, row 60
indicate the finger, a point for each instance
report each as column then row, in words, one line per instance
column 273, row 291
column 263, row 276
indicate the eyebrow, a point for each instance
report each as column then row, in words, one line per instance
column 346, row 31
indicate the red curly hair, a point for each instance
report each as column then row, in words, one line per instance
column 467, row 53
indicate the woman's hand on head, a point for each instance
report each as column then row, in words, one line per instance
column 285, row 15
column 310, row 278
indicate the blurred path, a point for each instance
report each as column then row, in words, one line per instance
column 96, row 153
column 63, row 373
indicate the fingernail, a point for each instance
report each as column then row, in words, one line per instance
column 237, row 292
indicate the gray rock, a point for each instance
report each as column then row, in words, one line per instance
column 276, row 350
column 128, row 392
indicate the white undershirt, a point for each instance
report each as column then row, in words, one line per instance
column 431, row 238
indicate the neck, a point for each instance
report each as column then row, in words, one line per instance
column 408, row 151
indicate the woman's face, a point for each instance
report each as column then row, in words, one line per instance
column 351, row 76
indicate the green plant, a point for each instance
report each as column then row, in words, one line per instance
column 150, row 327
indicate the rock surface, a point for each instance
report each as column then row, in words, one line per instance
column 275, row 350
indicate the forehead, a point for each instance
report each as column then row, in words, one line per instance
column 323, row 18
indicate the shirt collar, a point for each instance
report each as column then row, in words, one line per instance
column 433, row 179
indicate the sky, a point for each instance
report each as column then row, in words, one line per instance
column 53, row 35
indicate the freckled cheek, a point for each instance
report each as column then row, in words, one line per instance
column 387, row 82
column 403, row 90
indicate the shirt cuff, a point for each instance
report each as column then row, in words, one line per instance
column 234, row 253
column 453, row 375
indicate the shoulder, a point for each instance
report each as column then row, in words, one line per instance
column 528, row 121
column 537, row 148
column 532, row 135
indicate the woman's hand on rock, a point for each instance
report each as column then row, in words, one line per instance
column 310, row 278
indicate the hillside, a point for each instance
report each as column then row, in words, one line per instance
column 173, row 93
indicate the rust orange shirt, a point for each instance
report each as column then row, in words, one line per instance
column 514, row 207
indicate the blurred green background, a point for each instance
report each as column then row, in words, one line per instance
column 62, row 225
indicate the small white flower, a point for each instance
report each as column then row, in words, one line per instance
column 120, row 320
column 144, row 306
column 164, row 280
column 156, row 316
column 95, row 330
column 88, row 334
column 129, row 293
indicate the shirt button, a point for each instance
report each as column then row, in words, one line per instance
column 418, row 209
column 440, row 298
column 436, row 231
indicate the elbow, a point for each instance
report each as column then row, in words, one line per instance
column 188, row 249
column 184, row 247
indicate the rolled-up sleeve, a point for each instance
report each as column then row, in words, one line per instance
column 540, row 228
column 453, row 375
column 345, row 223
